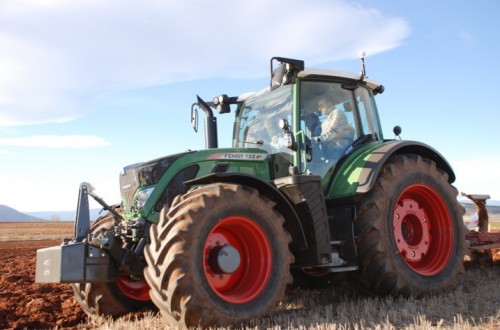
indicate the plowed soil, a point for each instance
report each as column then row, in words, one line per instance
column 27, row 305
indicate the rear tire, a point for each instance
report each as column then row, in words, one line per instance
column 185, row 284
column 409, row 230
column 111, row 298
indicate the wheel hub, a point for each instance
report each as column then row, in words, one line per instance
column 237, row 259
column 224, row 259
column 411, row 230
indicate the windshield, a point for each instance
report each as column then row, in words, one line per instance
column 257, row 120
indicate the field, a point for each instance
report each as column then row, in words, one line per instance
column 24, row 304
column 473, row 304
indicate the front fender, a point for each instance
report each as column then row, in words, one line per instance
column 292, row 221
column 358, row 173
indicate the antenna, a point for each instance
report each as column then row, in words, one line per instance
column 363, row 70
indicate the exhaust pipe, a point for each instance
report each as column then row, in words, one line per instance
column 210, row 125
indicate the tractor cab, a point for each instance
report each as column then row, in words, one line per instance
column 308, row 120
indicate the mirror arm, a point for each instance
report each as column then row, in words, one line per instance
column 205, row 107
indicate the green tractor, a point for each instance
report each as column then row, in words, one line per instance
column 215, row 236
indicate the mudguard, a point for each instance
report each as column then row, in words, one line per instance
column 358, row 172
column 293, row 223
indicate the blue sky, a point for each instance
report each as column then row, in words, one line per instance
column 87, row 87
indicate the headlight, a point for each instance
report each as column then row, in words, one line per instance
column 142, row 197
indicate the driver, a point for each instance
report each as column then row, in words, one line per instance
column 336, row 133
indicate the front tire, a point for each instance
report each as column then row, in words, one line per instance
column 409, row 230
column 189, row 285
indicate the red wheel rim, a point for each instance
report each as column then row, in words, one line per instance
column 137, row 289
column 423, row 229
column 132, row 288
column 254, row 270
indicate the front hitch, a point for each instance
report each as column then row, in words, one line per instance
column 78, row 260
column 82, row 223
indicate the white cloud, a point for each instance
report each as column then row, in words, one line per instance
column 54, row 56
column 56, row 141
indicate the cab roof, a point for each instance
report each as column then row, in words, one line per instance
column 372, row 84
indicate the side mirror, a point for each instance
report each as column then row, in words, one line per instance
column 286, row 72
column 277, row 76
column 194, row 117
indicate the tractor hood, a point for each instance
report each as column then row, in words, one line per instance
column 144, row 174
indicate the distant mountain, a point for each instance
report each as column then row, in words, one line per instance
column 489, row 202
column 64, row 215
column 471, row 208
column 493, row 202
column 8, row 214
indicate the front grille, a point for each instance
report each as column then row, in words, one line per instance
column 143, row 175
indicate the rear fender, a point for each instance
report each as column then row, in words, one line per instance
column 358, row 174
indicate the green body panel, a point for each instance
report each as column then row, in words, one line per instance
column 252, row 161
column 347, row 177
column 357, row 173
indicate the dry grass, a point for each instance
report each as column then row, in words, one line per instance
column 473, row 304
column 35, row 231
